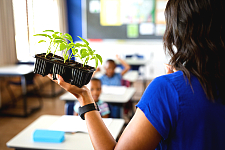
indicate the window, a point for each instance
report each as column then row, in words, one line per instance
column 32, row 17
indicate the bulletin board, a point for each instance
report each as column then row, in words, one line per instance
column 124, row 19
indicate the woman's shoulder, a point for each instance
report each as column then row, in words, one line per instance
column 173, row 78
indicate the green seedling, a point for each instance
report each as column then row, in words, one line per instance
column 64, row 42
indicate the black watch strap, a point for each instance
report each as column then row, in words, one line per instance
column 87, row 108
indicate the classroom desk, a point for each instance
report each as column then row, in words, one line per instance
column 131, row 76
column 77, row 141
column 110, row 98
column 20, row 70
column 134, row 62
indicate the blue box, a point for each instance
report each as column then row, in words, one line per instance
column 51, row 136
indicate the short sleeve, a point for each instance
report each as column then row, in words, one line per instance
column 159, row 103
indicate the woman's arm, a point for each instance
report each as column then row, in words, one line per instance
column 105, row 116
column 139, row 134
column 125, row 65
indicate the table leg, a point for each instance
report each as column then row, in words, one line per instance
column 53, row 89
column 121, row 112
column 0, row 98
column 144, row 79
column 24, row 92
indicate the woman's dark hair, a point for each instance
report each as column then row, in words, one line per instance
column 195, row 40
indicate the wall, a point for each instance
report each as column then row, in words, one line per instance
column 151, row 49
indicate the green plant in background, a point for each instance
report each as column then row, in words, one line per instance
column 64, row 43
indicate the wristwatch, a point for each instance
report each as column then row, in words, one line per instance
column 87, row 108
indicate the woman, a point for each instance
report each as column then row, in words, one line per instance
column 184, row 109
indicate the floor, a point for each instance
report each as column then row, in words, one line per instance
column 11, row 126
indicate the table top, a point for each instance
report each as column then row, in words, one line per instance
column 112, row 98
column 16, row 70
column 134, row 62
column 76, row 141
column 131, row 76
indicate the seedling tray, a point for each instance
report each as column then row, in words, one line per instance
column 72, row 72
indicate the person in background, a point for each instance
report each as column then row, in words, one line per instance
column 111, row 77
column 95, row 88
column 182, row 110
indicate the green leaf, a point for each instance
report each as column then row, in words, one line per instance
column 41, row 41
column 83, row 53
column 40, row 35
column 79, row 45
column 56, row 36
column 99, row 58
column 74, row 51
column 46, row 35
column 86, row 60
column 48, row 31
column 89, row 48
column 86, row 42
column 96, row 62
column 72, row 44
column 62, row 46
column 58, row 41
column 68, row 37
column 69, row 47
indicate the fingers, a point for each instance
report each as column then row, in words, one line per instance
column 67, row 86
column 50, row 77
column 62, row 83
column 81, row 93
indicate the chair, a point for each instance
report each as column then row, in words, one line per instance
column 29, row 82
column 135, row 67
column 69, row 108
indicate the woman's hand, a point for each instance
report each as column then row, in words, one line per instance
column 82, row 94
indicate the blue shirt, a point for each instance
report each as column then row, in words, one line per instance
column 115, row 80
column 185, row 118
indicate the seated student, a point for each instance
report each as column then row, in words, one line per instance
column 114, row 79
column 95, row 88
column 111, row 77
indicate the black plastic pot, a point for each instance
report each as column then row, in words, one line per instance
column 72, row 72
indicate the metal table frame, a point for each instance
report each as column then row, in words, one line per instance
column 19, row 70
